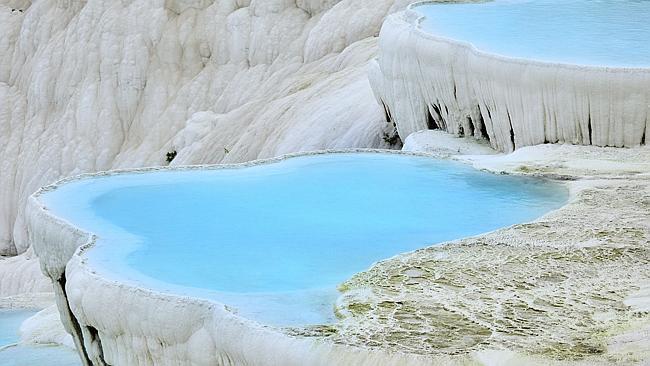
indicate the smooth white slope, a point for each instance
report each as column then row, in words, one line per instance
column 99, row 84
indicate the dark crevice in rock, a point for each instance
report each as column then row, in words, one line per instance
column 393, row 138
column 589, row 127
column 431, row 121
column 487, row 110
column 440, row 121
column 387, row 114
column 470, row 124
column 68, row 316
column 96, row 342
column 170, row 156
column 482, row 127
column 512, row 132
column 643, row 135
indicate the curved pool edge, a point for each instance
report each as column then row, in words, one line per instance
column 416, row 18
column 427, row 81
column 161, row 328
column 182, row 328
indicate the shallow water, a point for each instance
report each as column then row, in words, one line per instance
column 586, row 32
column 275, row 240
column 10, row 321
column 29, row 355
column 24, row 355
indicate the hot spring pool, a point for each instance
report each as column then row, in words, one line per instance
column 274, row 240
column 586, row 32
column 10, row 321
column 12, row 354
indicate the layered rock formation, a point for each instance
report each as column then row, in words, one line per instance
column 430, row 82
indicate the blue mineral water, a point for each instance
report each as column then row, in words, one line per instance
column 587, row 32
column 10, row 321
column 12, row 354
column 275, row 240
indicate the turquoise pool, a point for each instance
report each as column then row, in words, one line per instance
column 274, row 240
column 586, row 32
column 12, row 354
column 10, row 321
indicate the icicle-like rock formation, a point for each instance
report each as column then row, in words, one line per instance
column 430, row 82
column 94, row 85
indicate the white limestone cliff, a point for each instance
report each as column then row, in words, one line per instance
column 94, row 85
column 431, row 82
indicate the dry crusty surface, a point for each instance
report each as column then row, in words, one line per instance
column 554, row 288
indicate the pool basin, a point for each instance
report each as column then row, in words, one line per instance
column 273, row 241
column 14, row 354
column 611, row 33
column 518, row 73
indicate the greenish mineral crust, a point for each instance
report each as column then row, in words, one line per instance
column 553, row 288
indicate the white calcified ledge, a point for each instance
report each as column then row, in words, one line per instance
column 428, row 81
column 120, row 323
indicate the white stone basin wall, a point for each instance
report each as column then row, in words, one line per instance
column 427, row 81
column 118, row 323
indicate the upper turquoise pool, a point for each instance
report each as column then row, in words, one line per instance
column 274, row 240
column 612, row 33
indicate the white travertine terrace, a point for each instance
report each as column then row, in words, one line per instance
column 181, row 330
column 413, row 309
column 426, row 81
column 95, row 85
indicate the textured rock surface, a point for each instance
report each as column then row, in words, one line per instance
column 445, row 144
column 556, row 287
column 21, row 275
column 426, row 81
column 45, row 328
column 94, row 85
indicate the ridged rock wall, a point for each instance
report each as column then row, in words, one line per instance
column 430, row 82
